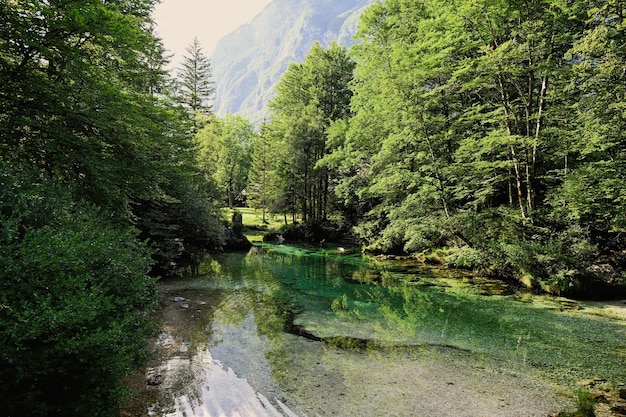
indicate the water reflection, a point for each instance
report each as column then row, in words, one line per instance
column 287, row 331
column 393, row 305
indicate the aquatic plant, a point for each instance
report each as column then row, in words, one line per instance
column 585, row 406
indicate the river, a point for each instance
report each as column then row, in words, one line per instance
column 296, row 331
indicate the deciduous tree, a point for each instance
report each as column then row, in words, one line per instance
column 226, row 147
column 261, row 189
column 309, row 97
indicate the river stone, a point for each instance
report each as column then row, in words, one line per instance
column 619, row 408
column 155, row 380
column 592, row 382
column 179, row 299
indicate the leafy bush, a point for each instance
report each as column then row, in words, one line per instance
column 554, row 258
column 75, row 304
column 466, row 258
column 180, row 227
column 585, row 403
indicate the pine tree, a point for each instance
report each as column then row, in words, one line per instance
column 195, row 84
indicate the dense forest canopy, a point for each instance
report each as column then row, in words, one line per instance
column 491, row 129
column 99, row 191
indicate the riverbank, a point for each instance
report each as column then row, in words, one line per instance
column 602, row 278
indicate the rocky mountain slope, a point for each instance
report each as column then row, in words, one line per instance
column 248, row 62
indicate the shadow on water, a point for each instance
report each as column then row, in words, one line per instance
column 299, row 331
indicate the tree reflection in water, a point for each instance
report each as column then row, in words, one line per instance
column 295, row 331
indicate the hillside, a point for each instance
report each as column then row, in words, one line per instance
column 248, row 62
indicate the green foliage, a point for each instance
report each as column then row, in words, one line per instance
column 585, row 405
column 82, row 78
column 263, row 188
column 225, row 156
column 309, row 98
column 75, row 301
column 555, row 258
column 89, row 107
column 181, row 226
column 492, row 128
column 315, row 232
column 466, row 258
column 89, row 144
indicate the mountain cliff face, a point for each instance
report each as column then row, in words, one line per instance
column 248, row 62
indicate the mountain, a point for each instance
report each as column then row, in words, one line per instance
column 248, row 62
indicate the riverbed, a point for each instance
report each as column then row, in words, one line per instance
column 297, row 331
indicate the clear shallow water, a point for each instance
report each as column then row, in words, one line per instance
column 286, row 331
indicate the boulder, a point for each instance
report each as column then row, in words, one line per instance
column 235, row 239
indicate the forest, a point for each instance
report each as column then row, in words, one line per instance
column 100, row 194
column 485, row 135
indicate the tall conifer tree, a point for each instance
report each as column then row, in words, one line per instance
column 195, row 81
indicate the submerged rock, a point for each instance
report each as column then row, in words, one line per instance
column 155, row 380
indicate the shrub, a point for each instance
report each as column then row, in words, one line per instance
column 75, row 303
column 313, row 232
column 585, row 403
column 466, row 258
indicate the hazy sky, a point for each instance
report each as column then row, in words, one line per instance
column 179, row 21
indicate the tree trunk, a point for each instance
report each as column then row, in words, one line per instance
column 516, row 165
column 440, row 185
column 538, row 125
column 518, row 182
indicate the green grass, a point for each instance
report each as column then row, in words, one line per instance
column 253, row 218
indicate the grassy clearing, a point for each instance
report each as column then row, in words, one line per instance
column 253, row 221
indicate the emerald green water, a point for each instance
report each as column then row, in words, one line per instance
column 287, row 331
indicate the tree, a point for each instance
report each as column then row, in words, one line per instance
column 87, row 142
column 76, row 300
column 521, row 61
column 309, row 97
column 461, row 131
column 397, row 149
column 77, row 97
column 593, row 166
column 195, row 83
column 225, row 153
column 262, row 174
